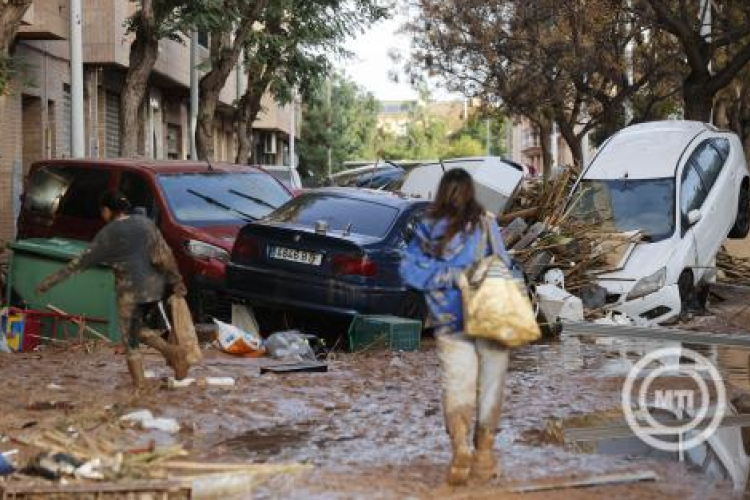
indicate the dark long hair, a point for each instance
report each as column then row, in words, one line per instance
column 456, row 202
column 115, row 201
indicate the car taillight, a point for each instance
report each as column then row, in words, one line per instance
column 246, row 249
column 354, row 265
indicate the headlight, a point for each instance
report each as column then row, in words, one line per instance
column 204, row 250
column 649, row 284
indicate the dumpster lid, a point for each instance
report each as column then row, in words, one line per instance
column 51, row 247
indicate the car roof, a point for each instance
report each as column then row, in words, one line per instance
column 646, row 151
column 154, row 166
column 396, row 200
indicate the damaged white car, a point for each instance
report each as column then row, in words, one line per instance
column 671, row 192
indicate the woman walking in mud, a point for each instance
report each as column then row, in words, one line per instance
column 473, row 370
column 144, row 269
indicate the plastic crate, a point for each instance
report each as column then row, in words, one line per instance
column 384, row 332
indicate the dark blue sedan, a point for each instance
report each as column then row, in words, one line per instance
column 331, row 250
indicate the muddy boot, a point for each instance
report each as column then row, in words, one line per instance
column 484, row 466
column 135, row 367
column 460, row 467
column 175, row 355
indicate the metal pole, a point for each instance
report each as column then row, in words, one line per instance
column 330, row 124
column 293, row 131
column 705, row 19
column 489, row 140
column 193, row 93
column 78, row 141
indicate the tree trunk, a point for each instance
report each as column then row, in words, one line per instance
column 545, row 132
column 698, row 99
column 225, row 52
column 573, row 141
column 250, row 105
column 143, row 54
column 11, row 14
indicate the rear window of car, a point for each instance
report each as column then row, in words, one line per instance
column 366, row 217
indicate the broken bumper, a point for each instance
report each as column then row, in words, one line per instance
column 658, row 307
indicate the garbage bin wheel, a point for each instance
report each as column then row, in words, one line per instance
column 741, row 226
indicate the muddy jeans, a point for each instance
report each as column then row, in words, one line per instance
column 132, row 324
column 473, row 377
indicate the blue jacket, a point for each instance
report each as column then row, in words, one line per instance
column 438, row 277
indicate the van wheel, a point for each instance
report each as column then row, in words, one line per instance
column 741, row 226
column 687, row 290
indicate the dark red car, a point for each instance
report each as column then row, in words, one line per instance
column 198, row 207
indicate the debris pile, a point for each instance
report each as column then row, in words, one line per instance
column 559, row 254
column 734, row 270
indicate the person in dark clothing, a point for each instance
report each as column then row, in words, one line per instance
column 145, row 273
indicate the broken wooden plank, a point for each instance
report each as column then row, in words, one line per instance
column 587, row 482
column 514, row 231
column 530, row 237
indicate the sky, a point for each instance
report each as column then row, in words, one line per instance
column 371, row 64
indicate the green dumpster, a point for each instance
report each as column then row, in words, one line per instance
column 90, row 294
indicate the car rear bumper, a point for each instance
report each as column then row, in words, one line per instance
column 283, row 290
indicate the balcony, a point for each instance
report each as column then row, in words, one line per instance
column 45, row 20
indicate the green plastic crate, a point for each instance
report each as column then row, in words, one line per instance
column 386, row 332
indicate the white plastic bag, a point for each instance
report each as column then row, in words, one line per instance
column 233, row 340
column 289, row 345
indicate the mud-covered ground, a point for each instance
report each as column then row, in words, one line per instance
column 371, row 427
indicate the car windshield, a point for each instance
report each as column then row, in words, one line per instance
column 219, row 198
column 366, row 217
column 626, row 205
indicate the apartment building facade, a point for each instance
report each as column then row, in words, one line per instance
column 35, row 112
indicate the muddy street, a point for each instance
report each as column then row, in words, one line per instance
column 371, row 427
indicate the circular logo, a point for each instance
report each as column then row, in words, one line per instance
column 689, row 405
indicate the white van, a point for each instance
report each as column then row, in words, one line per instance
column 684, row 185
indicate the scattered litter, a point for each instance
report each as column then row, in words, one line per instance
column 51, row 405
column 6, row 467
column 233, row 340
column 54, row 387
column 177, row 384
column 150, row 374
column 53, row 465
column 244, row 319
column 220, row 381
column 557, row 304
column 289, row 345
column 147, row 420
column 312, row 366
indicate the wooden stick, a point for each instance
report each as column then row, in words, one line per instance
column 87, row 327
column 220, row 467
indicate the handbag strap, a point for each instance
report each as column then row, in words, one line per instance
column 486, row 238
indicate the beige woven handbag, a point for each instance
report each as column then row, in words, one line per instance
column 495, row 306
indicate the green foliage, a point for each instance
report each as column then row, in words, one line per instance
column 347, row 125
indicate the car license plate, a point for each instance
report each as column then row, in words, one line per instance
column 300, row 256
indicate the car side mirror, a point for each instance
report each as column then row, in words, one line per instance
column 693, row 217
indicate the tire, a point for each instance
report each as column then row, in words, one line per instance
column 741, row 226
column 415, row 307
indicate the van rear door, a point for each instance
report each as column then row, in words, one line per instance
column 61, row 201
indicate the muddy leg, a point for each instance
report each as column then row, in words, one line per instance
column 458, row 360
column 493, row 364
column 175, row 356
column 127, row 311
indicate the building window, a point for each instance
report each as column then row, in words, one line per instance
column 203, row 39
